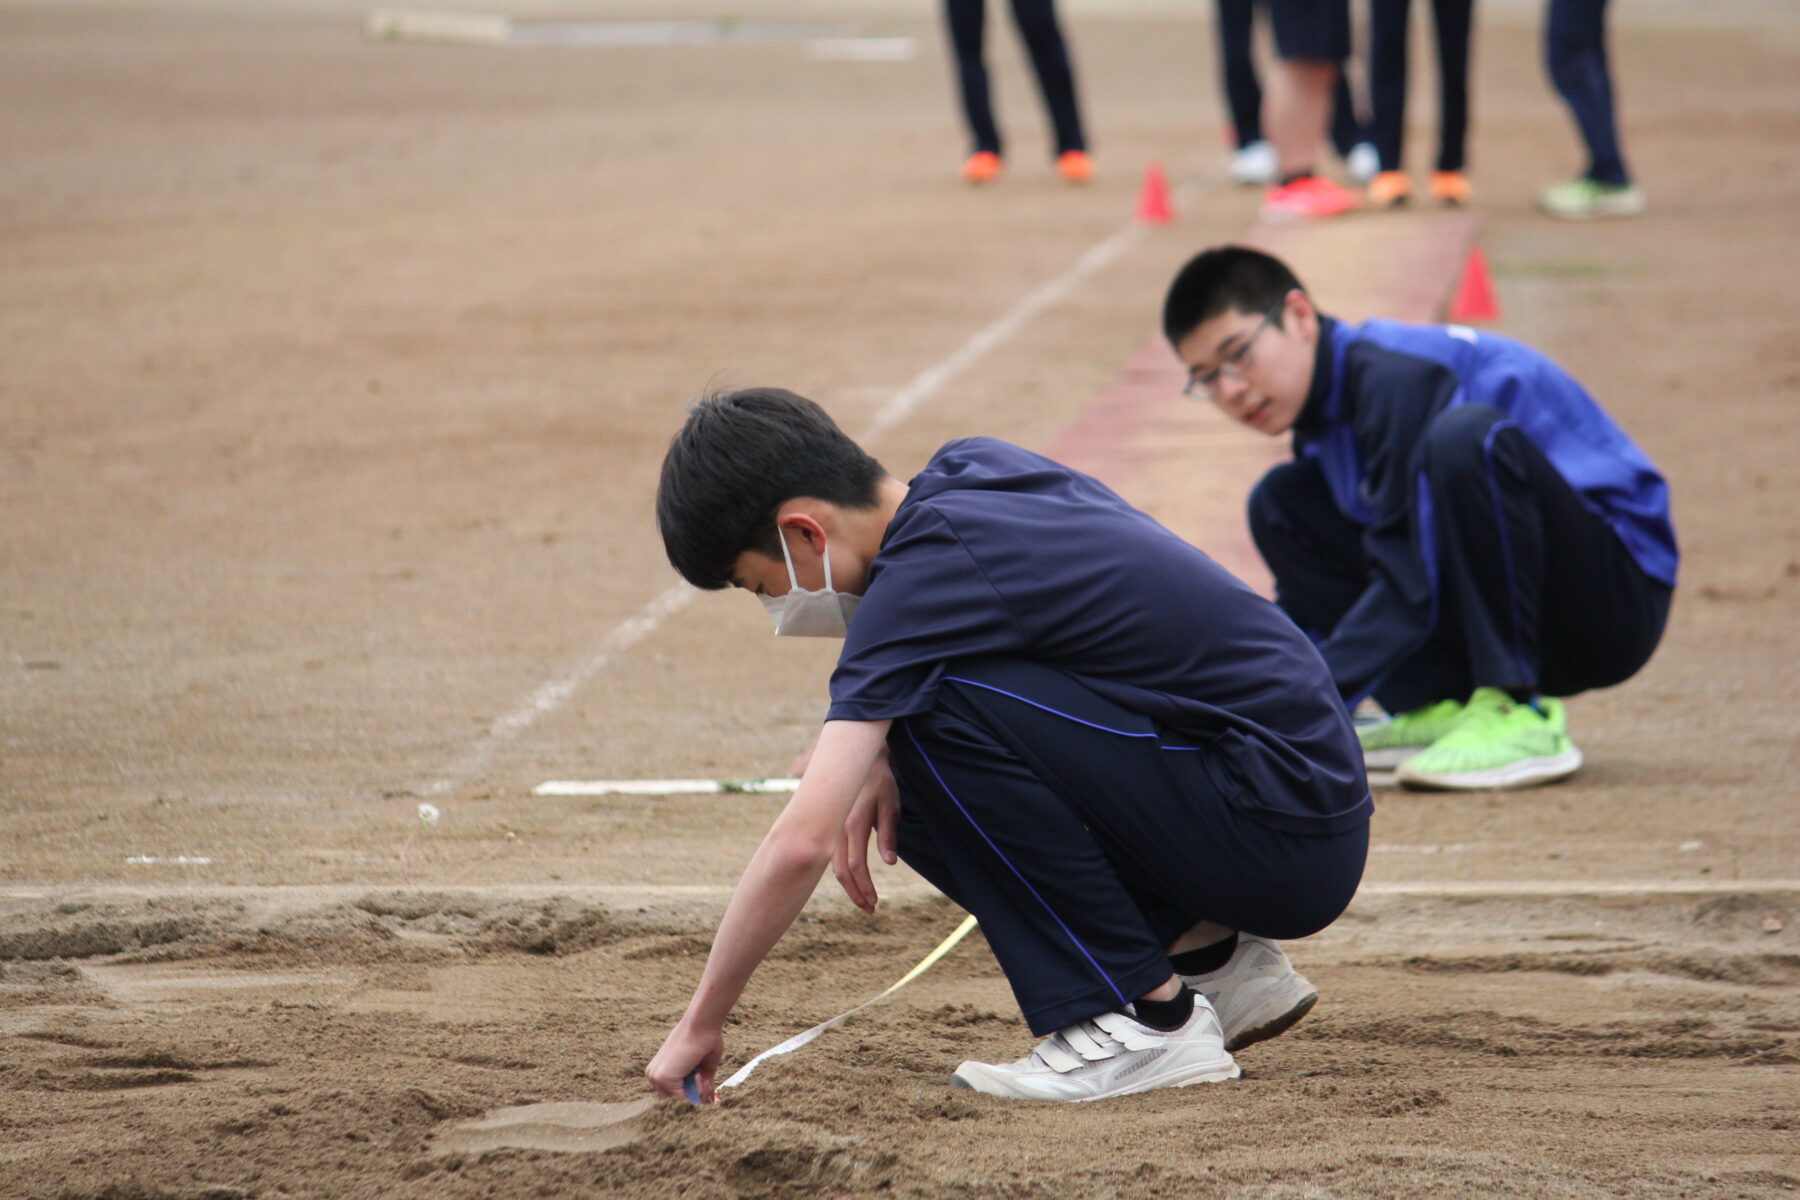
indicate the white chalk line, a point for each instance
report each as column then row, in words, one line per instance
column 970, row 352
column 552, row 695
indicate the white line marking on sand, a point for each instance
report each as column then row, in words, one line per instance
column 550, row 696
column 664, row 787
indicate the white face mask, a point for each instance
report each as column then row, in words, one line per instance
column 800, row 613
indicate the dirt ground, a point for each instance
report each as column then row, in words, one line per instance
column 336, row 380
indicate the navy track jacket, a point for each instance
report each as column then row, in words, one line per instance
column 1376, row 386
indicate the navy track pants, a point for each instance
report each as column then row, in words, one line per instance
column 1086, row 839
column 1575, row 54
column 1043, row 39
column 1452, row 22
column 1535, row 591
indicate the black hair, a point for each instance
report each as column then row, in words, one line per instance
column 739, row 458
column 1224, row 277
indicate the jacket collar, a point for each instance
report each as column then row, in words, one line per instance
column 1322, row 399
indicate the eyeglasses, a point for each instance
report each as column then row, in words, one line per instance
column 1235, row 362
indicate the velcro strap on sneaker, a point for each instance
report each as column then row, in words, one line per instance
column 1054, row 1053
column 1084, row 1039
column 1127, row 1032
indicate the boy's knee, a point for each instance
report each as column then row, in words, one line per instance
column 1272, row 501
column 1455, row 441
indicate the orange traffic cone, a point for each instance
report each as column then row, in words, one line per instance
column 1474, row 299
column 1153, row 206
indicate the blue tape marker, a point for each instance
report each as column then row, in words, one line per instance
column 690, row 1087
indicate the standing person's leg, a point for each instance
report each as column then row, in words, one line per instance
column 967, row 20
column 1089, row 843
column 1312, row 37
column 1237, row 68
column 1575, row 54
column 1452, row 22
column 1254, row 161
column 1050, row 60
column 1349, row 135
column 1388, row 20
column 1513, row 538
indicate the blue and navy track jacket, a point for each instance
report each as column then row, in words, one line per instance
column 1375, row 388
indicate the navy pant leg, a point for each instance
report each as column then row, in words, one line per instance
column 1085, row 839
column 967, row 20
column 1453, row 24
column 1043, row 40
column 1541, row 592
column 1346, row 126
column 1387, row 78
column 1316, row 555
column 1237, row 67
column 1575, row 53
column 1453, row 21
column 1312, row 549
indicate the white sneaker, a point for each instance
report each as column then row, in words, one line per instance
column 1363, row 162
column 1257, row 993
column 1109, row 1055
column 1254, row 164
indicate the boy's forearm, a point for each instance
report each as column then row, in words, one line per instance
column 774, row 888
column 786, row 866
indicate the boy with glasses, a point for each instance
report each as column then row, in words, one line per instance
column 1464, row 532
column 1129, row 767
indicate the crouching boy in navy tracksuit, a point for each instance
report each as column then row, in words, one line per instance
column 1133, row 770
column 1462, row 528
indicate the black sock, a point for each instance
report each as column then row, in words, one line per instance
column 1307, row 173
column 1205, row 959
column 1166, row 1014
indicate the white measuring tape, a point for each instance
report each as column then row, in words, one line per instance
column 800, row 1039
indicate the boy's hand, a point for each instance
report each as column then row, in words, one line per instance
column 685, row 1051
column 877, row 808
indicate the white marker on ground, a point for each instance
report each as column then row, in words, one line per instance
column 664, row 787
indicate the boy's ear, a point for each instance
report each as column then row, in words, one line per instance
column 1301, row 312
column 796, row 517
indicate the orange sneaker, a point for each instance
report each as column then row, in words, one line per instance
column 1075, row 166
column 981, row 167
column 1390, row 189
column 1452, row 188
column 1306, row 198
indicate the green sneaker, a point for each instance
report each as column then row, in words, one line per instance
column 1497, row 743
column 1582, row 199
column 1389, row 743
